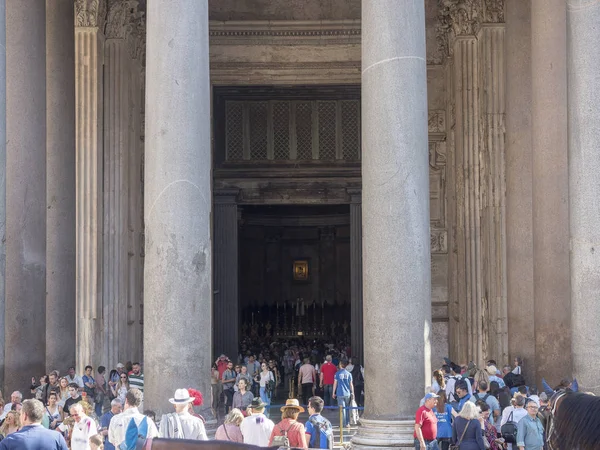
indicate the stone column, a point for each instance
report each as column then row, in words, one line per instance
column 177, row 278
column 583, row 40
column 396, row 247
column 89, row 50
column 225, row 301
column 60, row 184
column 356, row 279
column 25, row 314
column 2, row 176
column 117, row 146
column 551, row 275
column 519, row 183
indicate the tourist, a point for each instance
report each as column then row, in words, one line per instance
column 136, row 379
column 15, row 397
column 115, row 408
column 462, row 393
column 120, row 422
column 238, row 371
column 425, row 434
column 74, row 397
column 101, row 390
column 489, row 432
column 115, row 374
column 11, row 424
column 488, row 398
column 32, row 435
column 275, row 371
column 229, row 377
column 97, row 442
column 253, row 368
column 343, row 388
column 63, row 392
column 54, row 411
column 318, row 429
column 492, row 372
column 438, row 381
column 289, row 426
column 257, row 428
column 242, row 398
column 83, row 428
column 265, row 380
column 444, row 412
column 244, row 374
column 40, row 390
column 119, row 390
column 467, row 429
column 215, row 389
column 89, row 383
column 530, row 431
column 230, row 430
column 514, row 413
column 328, row 371
column 72, row 377
column 307, row 376
column 181, row 424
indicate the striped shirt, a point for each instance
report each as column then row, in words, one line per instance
column 137, row 381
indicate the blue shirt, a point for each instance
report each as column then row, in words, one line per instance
column 34, row 437
column 462, row 402
column 320, row 431
column 104, row 424
column 344, row 380
column 444, row 425
column 530, row 433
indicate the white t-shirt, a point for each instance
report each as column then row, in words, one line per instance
column 82, row 431
column 266, row 377
column 256, row 430
column 120, row 422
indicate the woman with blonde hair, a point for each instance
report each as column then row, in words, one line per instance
column 63, row 391
column 289, row 426
column 120, row 389
column 438, row 381
column 11, row 424
column 230, row 430
column 467, row 429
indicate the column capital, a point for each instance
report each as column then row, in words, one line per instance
column 90, row 13
column 225, row 196
column 121, row 18
column 355, row 195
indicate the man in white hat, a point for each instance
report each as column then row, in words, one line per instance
column 181, row 424
column 257, row 428
column 119, row 423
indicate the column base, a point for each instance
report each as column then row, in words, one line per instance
column 382, row 434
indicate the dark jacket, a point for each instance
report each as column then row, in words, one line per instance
column 473, row 438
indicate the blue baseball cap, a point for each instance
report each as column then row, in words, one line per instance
column 431, row 395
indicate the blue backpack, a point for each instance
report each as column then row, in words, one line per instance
column 135, row 434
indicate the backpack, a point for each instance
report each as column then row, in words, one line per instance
column 485, row 397
column 325, row 427
column 281, row 440
column 174, row 430
column 509, row 430
column 135, row 435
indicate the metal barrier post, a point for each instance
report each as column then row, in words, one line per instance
column 341, row 425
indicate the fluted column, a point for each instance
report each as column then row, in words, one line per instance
column 60, row 182
column 177, row 273
column 551, row 275
column 25, row 313
column 493, row 214
column 583, row 40
column 89, row 51
column 2, row 177
column 356, row 279
column 226, row 273
column 395, row 215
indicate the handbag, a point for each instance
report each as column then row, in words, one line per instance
column 457, row 445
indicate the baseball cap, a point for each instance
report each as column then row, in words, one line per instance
column 431, row 395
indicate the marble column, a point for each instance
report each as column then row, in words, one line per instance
column 2, row 177
column 519, row 184
column 89, row 51
column 396, row 241
column 25, row 314
column 551, row 275
column 356, row 270
column 60, row 184
column 225, row 232
column 583, row 40
column 177, row 272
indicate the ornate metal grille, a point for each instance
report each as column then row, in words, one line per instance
column 234, row 141
column 304, row 131
column 350, row 130
column 281, row 130
column 294, row 130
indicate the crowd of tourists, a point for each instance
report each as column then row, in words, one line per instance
column 476, row 408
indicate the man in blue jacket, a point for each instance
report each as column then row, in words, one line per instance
column 32, row 435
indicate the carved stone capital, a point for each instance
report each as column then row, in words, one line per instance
column 461, row 17
column 122, row 15
column 493, row 11
column 439, row 241
column 90, row 13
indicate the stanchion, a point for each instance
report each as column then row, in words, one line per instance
column 341, row 425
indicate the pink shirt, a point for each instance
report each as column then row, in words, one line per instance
column 306, row 374
column 232, row 433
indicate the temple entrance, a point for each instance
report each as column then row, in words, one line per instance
column 294, row 272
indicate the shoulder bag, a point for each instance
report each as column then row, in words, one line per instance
column 457, row 445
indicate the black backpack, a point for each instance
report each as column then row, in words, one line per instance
column 509, row 430
column 476, row 396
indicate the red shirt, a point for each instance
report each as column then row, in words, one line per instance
column 328, row 370
column 428, row 421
